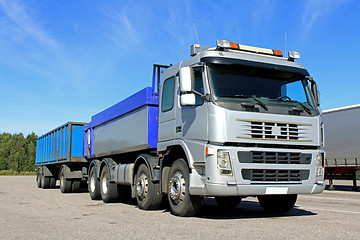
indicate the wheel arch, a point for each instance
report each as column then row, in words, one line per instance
column 172, row 154
column 151, row 162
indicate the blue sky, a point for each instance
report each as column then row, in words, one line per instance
column 65, row 60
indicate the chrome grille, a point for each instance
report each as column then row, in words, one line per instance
column 270, row 175
column 274, row 157
column 273, row 130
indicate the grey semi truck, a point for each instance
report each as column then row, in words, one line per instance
column 231, row 121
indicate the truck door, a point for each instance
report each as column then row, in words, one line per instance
column 167, row 110
column 191, row 121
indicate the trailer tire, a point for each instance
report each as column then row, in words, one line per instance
column 147, row 196
column 65, row 185
column 75, row 186
column 38, row 177
column 45, row 181
column 228, row 202
column 94, row 185
column 277, row 203
column 109, row 191
column 180, row 201
column 52, row 182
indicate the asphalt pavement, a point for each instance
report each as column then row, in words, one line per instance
column 27, row 212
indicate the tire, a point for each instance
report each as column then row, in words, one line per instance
column 65, row 185
column 228, row 203
column 45, row 182
column 52, row 182
column 94, row 185
column 277, row 203
column 109, row 191
column 38, row 177
column 75, row 186
column 147, row 196
column 180, row 201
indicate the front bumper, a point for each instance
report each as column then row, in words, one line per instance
column 209, row 182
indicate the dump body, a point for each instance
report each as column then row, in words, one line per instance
column 342, row 139
column 63, row 144
column 130, row 125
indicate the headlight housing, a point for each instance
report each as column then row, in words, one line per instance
column 224, row 162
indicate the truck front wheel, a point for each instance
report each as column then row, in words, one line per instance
column 277, row 203
column 180, row 200
column 147, row 196
column 94, row 185
column 108, row 190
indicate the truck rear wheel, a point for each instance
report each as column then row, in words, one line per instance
column 277, row 203
column 65, row 185
column 147, row 196
column 180, row 200
column 109, row 191
column 94, row 185
column 228, row 202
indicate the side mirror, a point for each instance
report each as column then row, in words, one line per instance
column 187, row 79
column 187, row 99
column 315, row 91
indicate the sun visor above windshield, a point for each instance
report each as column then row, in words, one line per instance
column 234, row 61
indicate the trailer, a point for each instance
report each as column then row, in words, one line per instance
column 60, row 154
column 229, row 122
column 342, row 143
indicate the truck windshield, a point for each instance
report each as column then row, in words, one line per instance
column 259, row 85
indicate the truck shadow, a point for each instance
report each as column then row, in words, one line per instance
column 346, row 188
column 245, row 210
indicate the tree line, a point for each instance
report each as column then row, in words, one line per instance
column 17, row 153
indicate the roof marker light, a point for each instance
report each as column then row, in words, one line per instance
column 227, row 44
column 223, row 43
column 294, row 55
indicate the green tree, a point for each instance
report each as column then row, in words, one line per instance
column 17, row 152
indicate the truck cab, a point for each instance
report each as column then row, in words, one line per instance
column 245, row 121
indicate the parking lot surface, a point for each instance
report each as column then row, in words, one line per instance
column 27, row 212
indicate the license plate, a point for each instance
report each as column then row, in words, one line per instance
column 276, row 190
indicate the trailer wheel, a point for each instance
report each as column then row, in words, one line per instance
column 38, row 177
column 180, row 200
column 52, row 182
column 147, row 196
column 75, row 186
column 94, row 185
column 277, row 203
column 45, row 181
column 229, row 202
column 65, row 185
column 108, row 190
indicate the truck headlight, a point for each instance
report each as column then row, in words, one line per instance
column 224, row 162
column 320, row 165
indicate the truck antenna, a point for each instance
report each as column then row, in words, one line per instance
column 197, row 38
column 285, row 44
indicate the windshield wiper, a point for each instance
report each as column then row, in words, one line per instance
column 295, row 101
column 260, row 103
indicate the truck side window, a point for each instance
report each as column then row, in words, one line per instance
column 167, row 101
column 199, row 85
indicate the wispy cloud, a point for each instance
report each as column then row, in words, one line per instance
column 315, row 10
column 22, row 22
column 262, row 11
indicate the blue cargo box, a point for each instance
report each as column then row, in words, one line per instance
column 63, row 144
column 130, row 125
